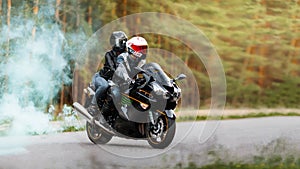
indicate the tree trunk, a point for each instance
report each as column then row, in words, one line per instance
column 62, row 96
column 262, row 78
column 291, row 58
column 36, row 7
column 57, row 10
column 159, row 40
column 90, row 19
column 0, row 7
column 8, row 26
column 64, row 17
column 245, row 67
column 75, row 84
column 1, row 13
column 35, row 12
column 7, row 11
column 124, row 7
column 124, row 11
column 78, row 14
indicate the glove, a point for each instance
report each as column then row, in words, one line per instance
column 129, row 81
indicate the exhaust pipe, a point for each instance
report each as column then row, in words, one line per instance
column 80, row 109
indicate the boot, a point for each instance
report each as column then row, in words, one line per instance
column 93, row 110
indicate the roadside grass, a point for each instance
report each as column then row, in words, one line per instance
column 280, row 153
column 73, row 129
column 250, row 115
column 4, row 124
column 275, row 162
column 69, row 120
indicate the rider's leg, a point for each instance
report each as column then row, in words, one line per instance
column 100, row 94
column 101, row 86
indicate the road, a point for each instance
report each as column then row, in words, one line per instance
column 198, row 142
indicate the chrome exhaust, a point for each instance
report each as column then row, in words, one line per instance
column 80, row 109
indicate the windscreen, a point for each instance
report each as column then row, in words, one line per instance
column 154, row 70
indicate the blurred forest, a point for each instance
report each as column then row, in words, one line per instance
column 257, row 40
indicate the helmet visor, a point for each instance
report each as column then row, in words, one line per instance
column 140, row 49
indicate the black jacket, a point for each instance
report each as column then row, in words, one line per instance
column 110, row 65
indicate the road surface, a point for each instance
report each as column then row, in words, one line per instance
column 198, row 142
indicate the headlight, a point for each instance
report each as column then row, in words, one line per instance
column 166, row 95
column 176, row 94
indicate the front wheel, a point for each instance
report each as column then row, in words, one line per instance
column 161, row 134
column 97, row 135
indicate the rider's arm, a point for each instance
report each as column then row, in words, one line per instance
column 121, row 70
column 108, row 67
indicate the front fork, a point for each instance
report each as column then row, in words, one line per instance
column 151, row 118
column 154, row 115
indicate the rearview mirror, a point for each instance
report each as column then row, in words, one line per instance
column 180, row 77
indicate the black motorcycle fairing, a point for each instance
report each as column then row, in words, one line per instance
column 129, row 129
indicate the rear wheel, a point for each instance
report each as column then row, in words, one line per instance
column 161, row 134
column 96, row 134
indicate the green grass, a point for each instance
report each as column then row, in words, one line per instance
column 281, row 165
column 5, row 121
column 274, row 162
column 261, row 114
column 4, row 124
column 73, row 129
column 251, row 115
column 277, row 154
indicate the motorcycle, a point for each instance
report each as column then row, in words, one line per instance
column 143, row 109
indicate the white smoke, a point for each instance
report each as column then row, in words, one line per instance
column 32, row 70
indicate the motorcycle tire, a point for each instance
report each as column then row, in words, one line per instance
column 97, row 135
column 162, row 136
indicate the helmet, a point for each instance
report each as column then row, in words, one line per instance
column 118, row 41
column 137, row 48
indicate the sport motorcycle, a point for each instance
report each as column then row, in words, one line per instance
column 143, row 109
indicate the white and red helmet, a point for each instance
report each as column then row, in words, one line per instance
column 137, row 46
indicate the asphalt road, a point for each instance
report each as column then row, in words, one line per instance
column 198, row 142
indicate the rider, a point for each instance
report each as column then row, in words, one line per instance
column 118, row 41
column 134, row 57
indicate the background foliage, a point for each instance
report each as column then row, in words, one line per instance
column 257, row 40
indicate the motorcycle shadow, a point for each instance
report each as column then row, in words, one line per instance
column 128, row 146
column 117, row 145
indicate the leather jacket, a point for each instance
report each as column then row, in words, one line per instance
column 110, row 65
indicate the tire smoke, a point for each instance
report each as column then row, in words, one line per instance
column 35, row 62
